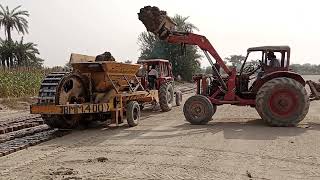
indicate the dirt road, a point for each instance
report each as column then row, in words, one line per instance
column 235, row 145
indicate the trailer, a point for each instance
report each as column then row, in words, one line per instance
column 95, row 91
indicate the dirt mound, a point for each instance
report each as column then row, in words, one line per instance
column 151, row 17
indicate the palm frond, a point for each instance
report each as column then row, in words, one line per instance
column 14, row 9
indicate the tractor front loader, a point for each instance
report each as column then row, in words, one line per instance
column 277, row 93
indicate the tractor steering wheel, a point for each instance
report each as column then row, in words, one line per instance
column 251, row 68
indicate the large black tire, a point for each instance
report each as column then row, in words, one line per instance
column 282, row 102
column 133, row 113
column 178, row 98
column 60, row 121
column 166, row 96
column 198, row 110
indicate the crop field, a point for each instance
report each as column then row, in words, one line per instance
column 20, row 82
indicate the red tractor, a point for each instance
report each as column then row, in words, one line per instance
column 164, row 83
column 278, row 94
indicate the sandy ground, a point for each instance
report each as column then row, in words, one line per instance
column 235, row 145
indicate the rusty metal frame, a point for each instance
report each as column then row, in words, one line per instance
column 114, row 86
column 313, row 90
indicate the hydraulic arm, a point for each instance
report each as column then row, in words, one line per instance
column 203, row 43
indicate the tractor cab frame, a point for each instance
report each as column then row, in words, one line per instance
column 163, row 67
column 265, row 71
column 284, row 51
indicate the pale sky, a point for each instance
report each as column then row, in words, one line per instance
column 61, row 27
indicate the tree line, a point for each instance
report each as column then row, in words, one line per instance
column 306, row 69
column 237, row 61
column 16, row 53
column 185, row 60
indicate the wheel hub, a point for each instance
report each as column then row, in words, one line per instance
column 197, row 109
column 283, row 102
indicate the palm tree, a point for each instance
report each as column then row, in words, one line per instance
column 183, row 24
column 25, row 53
column 7, row 50
column 14, row 19
column 19, row 54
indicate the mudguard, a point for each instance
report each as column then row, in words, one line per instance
column 257, row 85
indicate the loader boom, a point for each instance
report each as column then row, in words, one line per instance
column 201, row 41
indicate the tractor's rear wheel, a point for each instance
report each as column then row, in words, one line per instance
column 198, row 110
column 133, row 113
column 178, row 98
column 282, row 102
column 166, row 96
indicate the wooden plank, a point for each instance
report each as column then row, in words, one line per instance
column 45, row 109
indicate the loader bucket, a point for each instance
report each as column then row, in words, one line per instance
column 156, row 21
column 315, row 90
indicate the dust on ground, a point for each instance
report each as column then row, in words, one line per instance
column 235, row 145
column 11, row 108
column 19, row 104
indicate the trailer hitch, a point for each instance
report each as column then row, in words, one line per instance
column 315, row 90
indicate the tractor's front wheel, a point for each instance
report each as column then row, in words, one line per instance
column 198, row 110
column 133, row 113
column 282, row 102
column 166, row 97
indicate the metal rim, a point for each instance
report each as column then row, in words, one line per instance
column 197, row 109
column 283, row 102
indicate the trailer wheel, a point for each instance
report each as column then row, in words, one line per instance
column 133, row 113
column 198, row 110
column 166, row 95
column 178, row 98
column 282, row 102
